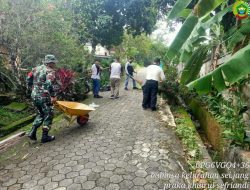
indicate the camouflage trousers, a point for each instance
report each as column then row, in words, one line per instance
column 44, row 112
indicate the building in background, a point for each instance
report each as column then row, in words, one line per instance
column 101, row 51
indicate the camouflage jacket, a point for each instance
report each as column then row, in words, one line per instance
column 42, row 80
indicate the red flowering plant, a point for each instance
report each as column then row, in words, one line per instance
column 65, row 79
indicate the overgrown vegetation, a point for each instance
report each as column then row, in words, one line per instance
column 7, row 117
column 200, row 46
column 142, row 48
column 13, row 117
column 228, row 114
column 186, row 130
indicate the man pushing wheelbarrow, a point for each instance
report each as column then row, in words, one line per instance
column 42, row 81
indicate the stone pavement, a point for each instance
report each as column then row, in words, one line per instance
column 122, row 147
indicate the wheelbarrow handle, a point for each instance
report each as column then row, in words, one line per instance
column 60, row 108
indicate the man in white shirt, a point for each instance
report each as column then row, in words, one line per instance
column 115, row 77
column 96, row 69
column 154, row 75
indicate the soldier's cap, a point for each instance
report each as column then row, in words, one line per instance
column 50, row 59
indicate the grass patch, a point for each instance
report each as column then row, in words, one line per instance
column 16, row 125
column 186, row 131
column 16, row 106
column 13, row 117
column 7, row 117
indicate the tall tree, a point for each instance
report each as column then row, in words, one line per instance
column 35, row 28
column 105, row 20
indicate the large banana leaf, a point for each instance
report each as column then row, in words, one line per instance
column 179, row 6
column 194, row 64
column 230, row 72
column 182, row 36
column 203, row 24
column 217, row 18
column 245, row 28
column 185, row 55
column 204, row 7
column 199, row 33
column 185, row 13
column 236, row 37
column 187, row 48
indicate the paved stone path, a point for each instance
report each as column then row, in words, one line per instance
column 122, row 147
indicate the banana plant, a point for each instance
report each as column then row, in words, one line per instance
column 236, row 68
column 178, row 8
column 205, row 7
column 199, row 35
column 217, row 79
column 192, row 35
column 194, row 64
column 182, row 36
column 200, row 12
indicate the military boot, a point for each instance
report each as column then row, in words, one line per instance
column 45, row 136
column 32, row 133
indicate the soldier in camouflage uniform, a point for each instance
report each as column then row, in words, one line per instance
column 42, row 79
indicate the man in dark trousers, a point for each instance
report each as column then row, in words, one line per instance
column 129, row 72
column 154, row 75
column 42, row 81
column 96, row 70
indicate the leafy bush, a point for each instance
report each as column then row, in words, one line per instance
column 65, row 81
column 227, row 113
column 105, row 73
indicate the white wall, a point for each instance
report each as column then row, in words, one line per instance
column 100, row 50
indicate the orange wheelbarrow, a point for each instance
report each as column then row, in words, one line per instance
column 74, row 111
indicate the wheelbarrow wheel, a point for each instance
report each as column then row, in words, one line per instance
column 82, row 120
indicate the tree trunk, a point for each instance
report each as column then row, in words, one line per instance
column 212, row 58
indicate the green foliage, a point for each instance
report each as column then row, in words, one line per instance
column 142, row 48
column 204, row 7
column 7, row 83
column 33, row 29
column 179, row 6
column 245, row 28
column 7, row 116
column 218, row 17
column 103, row 21
column 170, row 86
column 193, row 37
column 93, row 21
column 163, row 5
column 182, row 36
column 238, row 34
column 194, row 64
column 16, row 106
column 184, row 13
column 236, row 68
column 21, row 122
column 199, row 36
column 227, row 113
column 186, row 131
column 105, row 76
